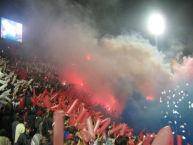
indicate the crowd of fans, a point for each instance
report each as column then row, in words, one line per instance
column 29, row 94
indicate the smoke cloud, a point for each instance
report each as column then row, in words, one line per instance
column 108, row 67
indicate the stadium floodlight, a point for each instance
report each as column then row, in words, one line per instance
column 156, row 24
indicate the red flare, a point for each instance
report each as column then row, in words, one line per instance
column 88, row 57
column 150, row 98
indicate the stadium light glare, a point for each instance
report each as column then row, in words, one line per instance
column 156, row 24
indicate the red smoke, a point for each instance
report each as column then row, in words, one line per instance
column 73, row 77
column 88, row 57
column 150, row 98
column 109, row 102
column 103, row 97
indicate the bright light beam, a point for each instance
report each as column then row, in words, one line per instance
column 156, row 24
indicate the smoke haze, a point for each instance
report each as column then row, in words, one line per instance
column 108, row 67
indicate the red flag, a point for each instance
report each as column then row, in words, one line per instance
column 54, row 108
column 85, row 135
column 123, row 129
column 148, row 140
column 61, row 102
column 82, row 116
column 105, row 123
column 47, row 102
column 172, row 140
column 90, row 127
column 179, row 140
column 141, row 134
column 58, row 128
column 72, row 107
column 34, row 92
column 163, row 137
column 21, row 103
column 97, row 125
column 115, row 129
column 54, row 97
column 33, row 101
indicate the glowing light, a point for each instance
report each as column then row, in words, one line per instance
column 81, row 84
column 64, row 83
column 160, row 100
column 74, row 77
column 192, row 105
column 175, row 112
column 156, row 24
column 88, row 57
column 108, row 102
column 170, row 122
column 183, row 137
column 164, row 92
column 108, row 108
column 149, row 98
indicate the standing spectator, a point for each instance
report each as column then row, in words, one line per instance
column 36, row 140
column 24, row 138
column 20, row 128
column 14, row 124
column 47, row 128
column 3, row 139
column 121, row 140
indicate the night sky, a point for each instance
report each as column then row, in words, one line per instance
column 114, row 17
column 119, row 16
